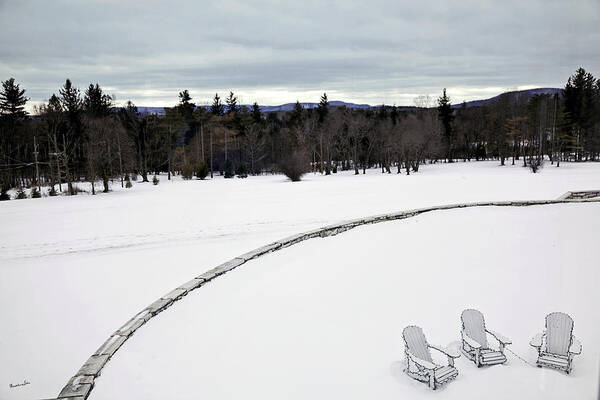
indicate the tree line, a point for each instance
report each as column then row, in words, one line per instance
column 82, row 136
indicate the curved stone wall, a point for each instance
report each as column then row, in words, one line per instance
column 82, row 383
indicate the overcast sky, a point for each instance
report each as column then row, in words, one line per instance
column 279, row 51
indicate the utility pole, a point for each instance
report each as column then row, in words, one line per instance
column 56, row 155
column 37, row 170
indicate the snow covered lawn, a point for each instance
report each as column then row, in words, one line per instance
column 323, row 319
column 72, row 270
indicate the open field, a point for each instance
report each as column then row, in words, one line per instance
column 323, row 319
column 74, row 269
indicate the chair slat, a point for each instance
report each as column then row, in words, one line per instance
column 559, row 327
column 416, row 342
column 474, row 326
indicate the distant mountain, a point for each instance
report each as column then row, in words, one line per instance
column 516, row 95
column 267, row 109
column 523, row 95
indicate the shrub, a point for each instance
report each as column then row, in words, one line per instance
column 52, row 192
column 134, row 176
column 155, row 180
column 35, row 193
column 535, row 163
column 201, row 170
column 242, row 171
column 128, row 184
column 4, row 195
column 295, row 165
column 187, row 172
column 228, row 169
column 21, row 194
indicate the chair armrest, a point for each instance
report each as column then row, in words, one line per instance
column 537, row 340
column 575, row 346
column 425, row 364
column 470, row 341
column 502, row 339
column 452, row 353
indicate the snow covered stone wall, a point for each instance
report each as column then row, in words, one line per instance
column 81, row 384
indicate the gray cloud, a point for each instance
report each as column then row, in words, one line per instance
column 274, row 51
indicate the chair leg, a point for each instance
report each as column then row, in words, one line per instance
column 432, row 380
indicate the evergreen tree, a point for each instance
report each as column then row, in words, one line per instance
column 97, row 104
column 201, row 170
column 382, row 112
column 186, row 107
column 581, row 101
column 155, row 180
column 296, row 115
column 73, row 142
column 12, row 100
column 4, row 194
column 232, row 107
column 217, row 107
column 256, row 114
column 394, row 115
column 12, row 119
column 35, row 193
column 446, row 115
column 323, row 108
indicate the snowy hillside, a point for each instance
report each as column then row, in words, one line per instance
column 74, row 269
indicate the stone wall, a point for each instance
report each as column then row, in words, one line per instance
column 81, row 384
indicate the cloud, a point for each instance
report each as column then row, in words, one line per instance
column 275, row 52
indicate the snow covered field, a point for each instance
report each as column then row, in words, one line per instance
column 72, row 270
column 324, row 319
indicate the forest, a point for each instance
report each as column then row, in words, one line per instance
column 81, row 136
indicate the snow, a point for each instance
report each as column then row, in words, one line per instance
column 324, row 318
column 74, row 269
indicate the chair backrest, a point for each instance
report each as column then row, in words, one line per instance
column 474, row 326
column 416, row 343
column 559, row 328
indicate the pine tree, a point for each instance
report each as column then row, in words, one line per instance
column 35, row 193
column 217, row 107
column 232, row 107
column 97, row 104
column 580, row 98
column 155, row 180
column 12, row 100
column 394, row 116
column 186, row 107
column 323, row 108
column 296, row 115
column 12, row 119
column 72, row 105
column 256, row 114
column 446, row 115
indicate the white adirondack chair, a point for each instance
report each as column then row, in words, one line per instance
column 420, row 365
column 557, row 345
column 475, row 344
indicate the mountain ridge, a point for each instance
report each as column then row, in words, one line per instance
column 516, row 94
